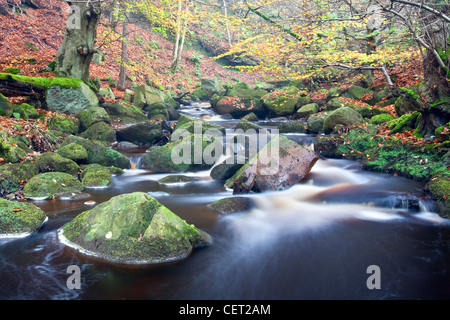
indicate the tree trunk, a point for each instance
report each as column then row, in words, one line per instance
column 78, row 45
column 124, row 57
column 436, row 74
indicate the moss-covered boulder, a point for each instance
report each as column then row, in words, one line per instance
column 100, row 131
column 231, row 205
column 307, row 110
column 145, row 95
column 197, row 126
column 315, row 122
column 292, row 127
column 442, row 133
column 406, row 102
column 18, row 218
column 199, row 95
column 406, row 122
column 282, row 102
column 344, row 116
column 50, row 161
column 10, row 152
column 245, row 125
column 189, row 153
column 49, row 184
column 134, row 229
column 13, row 175
column 63, row 124
column 251, row 117
column 334, row 103
column 439, row 190
column 74, row 152
column 91, row 116
column 143, row 133
column 26, row 111
column 6, row 107
column 243, row 90
column 381, row 118
column 98, row 167
column 357, row 92
column 99, row 152
column 124, row 114
column 97, row 179
column 211, row 87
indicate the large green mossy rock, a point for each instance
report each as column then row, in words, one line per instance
column 186, row 154
column 357, row 92
column 97, row 179
column 46, row 185
column 211, row 87
column 12, row 175
column 143, row 133
column 74, row 152
column 125, row 114
column 315, row 122
column 195, row 125
column 133, row 228
column 292, row 127
column 11, row 153
column 50, row 161
column 89, row 117
column 26, row 111
column 307, row 110
column 100, row 153
column 282, row 102
column 100, row 131
column 145, row 95
column 343, row 116
column 243, row 90
column 439, row 190
column 63, row 124
column 18, row 218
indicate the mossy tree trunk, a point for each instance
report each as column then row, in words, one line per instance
column 78, row 45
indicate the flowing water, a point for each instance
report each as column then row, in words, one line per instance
column 315, row 240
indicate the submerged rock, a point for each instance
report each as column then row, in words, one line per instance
column 133, row 228
column 231, row 205
column 18, row 218
column 178, row 178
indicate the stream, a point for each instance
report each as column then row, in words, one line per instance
column 315, row 240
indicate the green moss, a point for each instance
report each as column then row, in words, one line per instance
column 98, row 178
column 439, row 190
column 50, row 161
column 405, row 123
column 74, row 152
column 411, row 93
column 46, row 185
column 43, row 83
column 134, row 228
column 19, row 217
column 381, row 118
